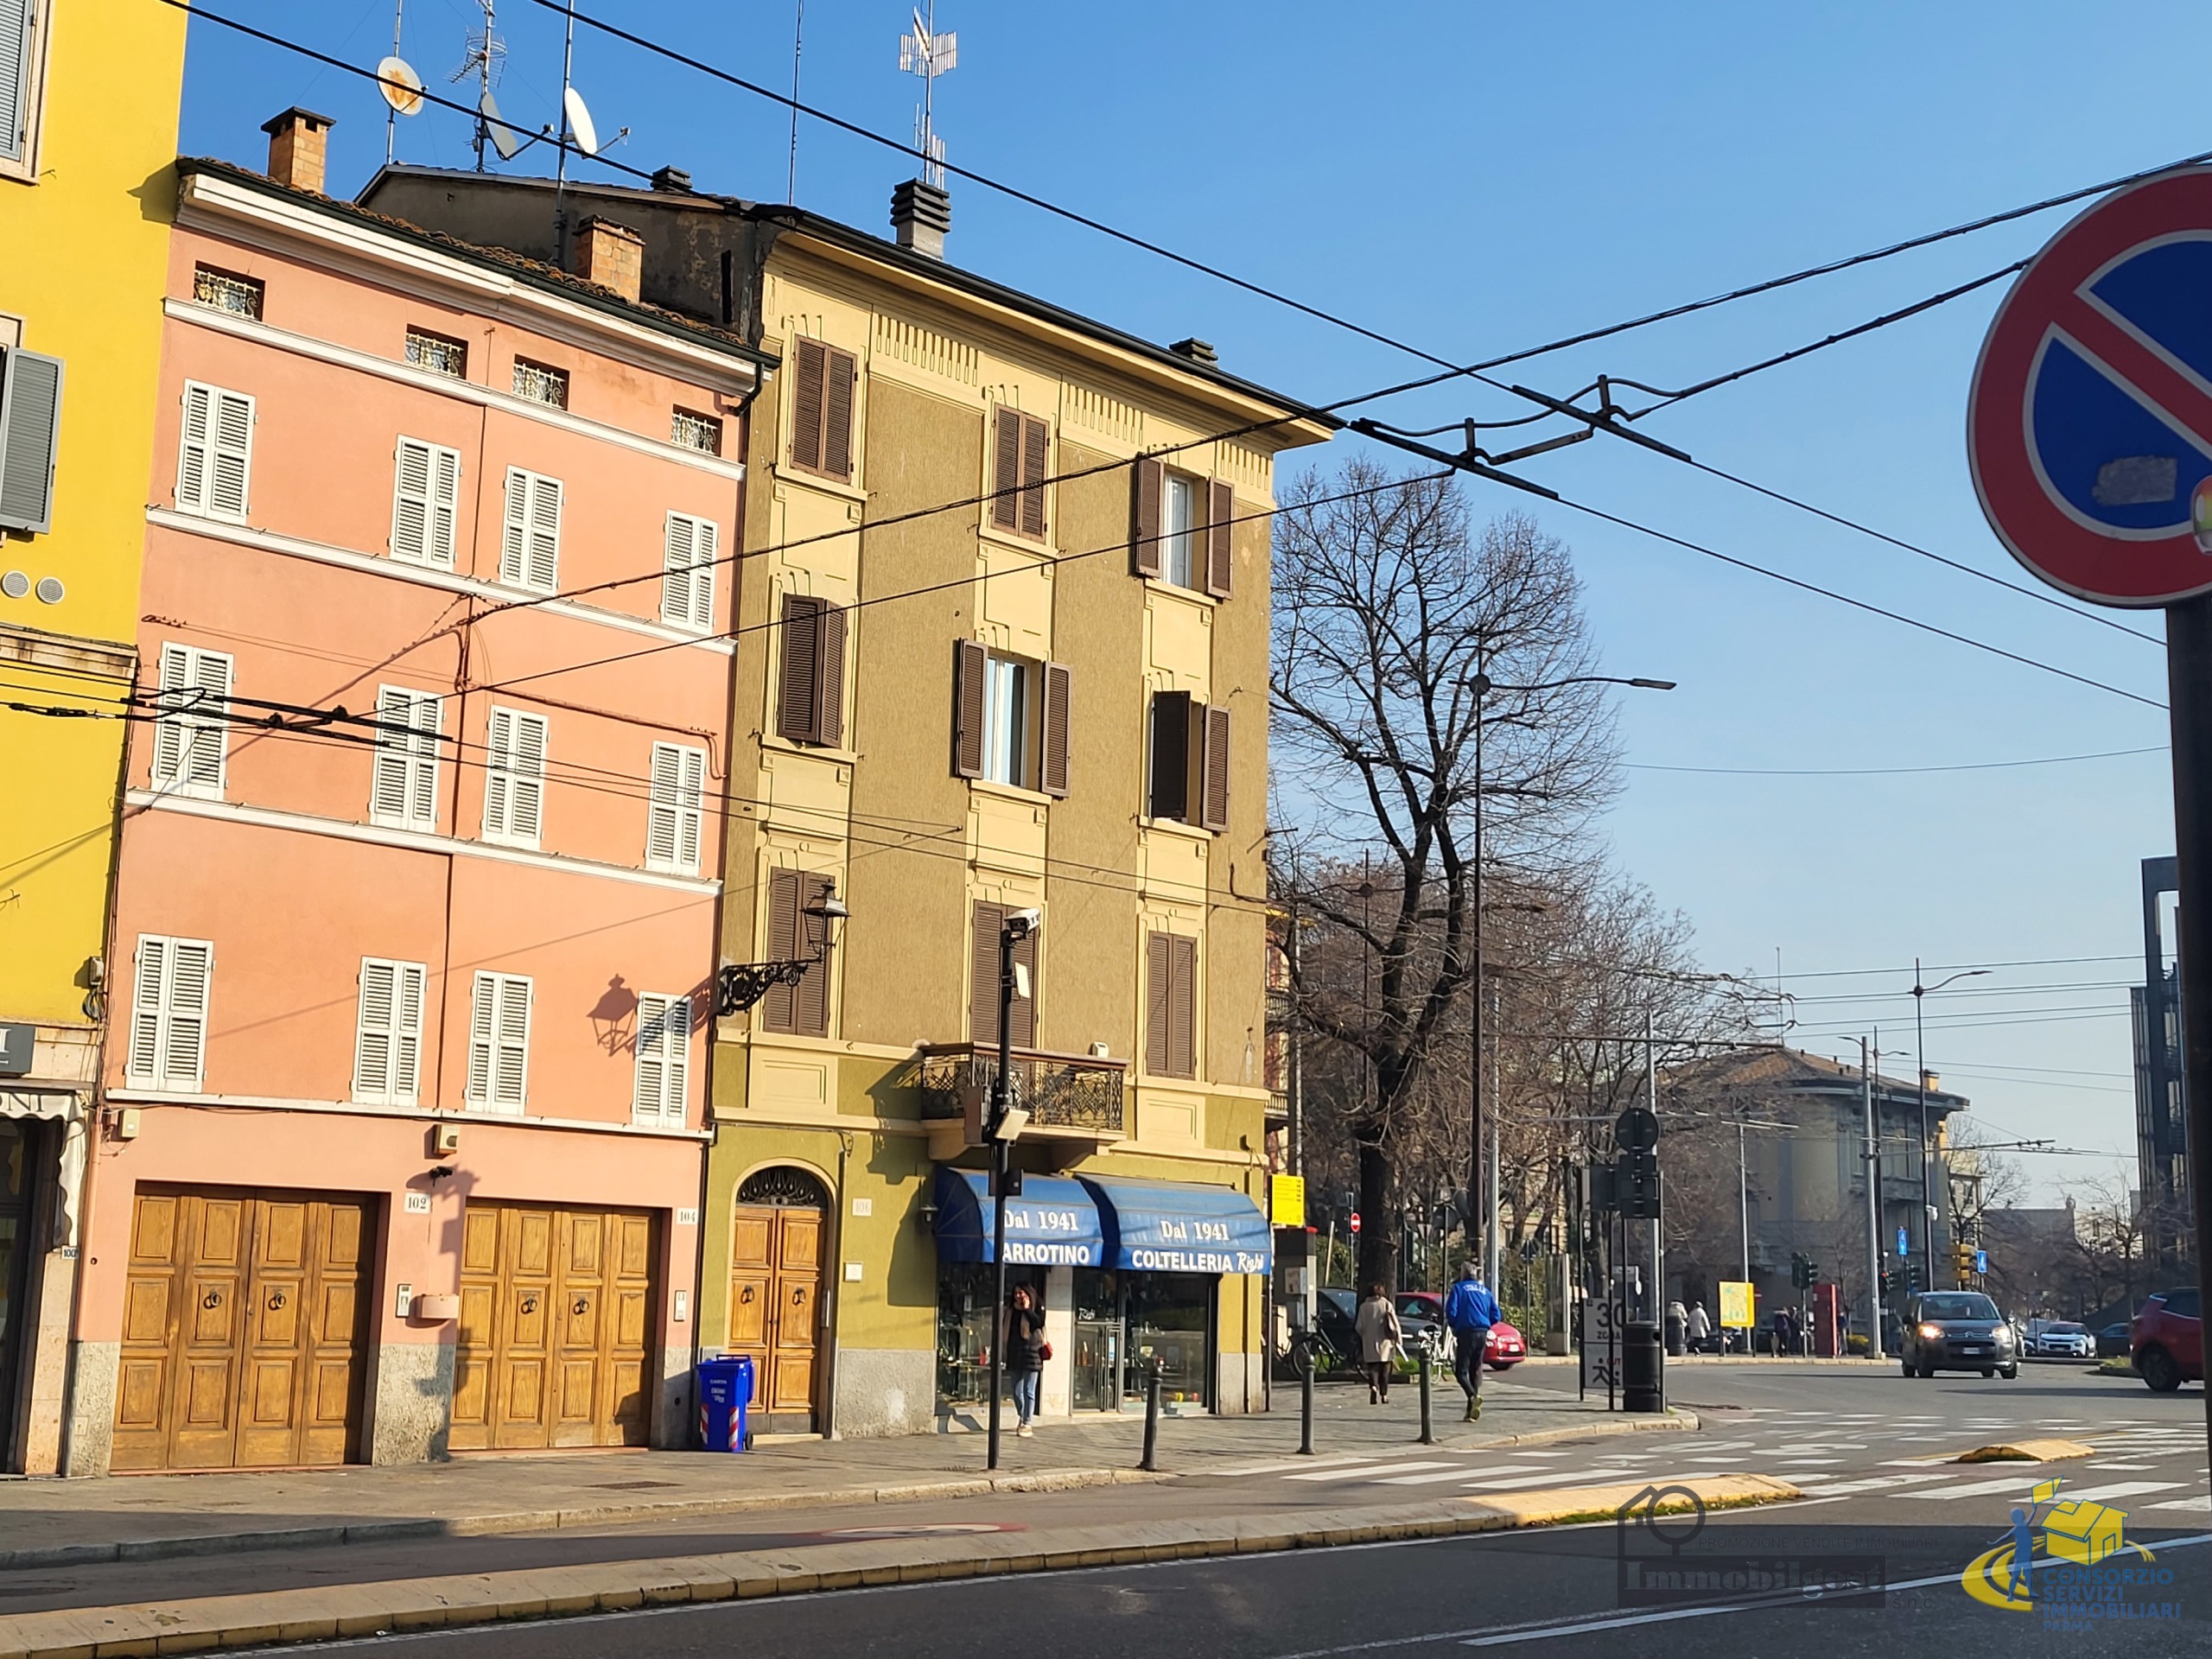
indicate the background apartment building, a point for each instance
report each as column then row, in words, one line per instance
column 1003, row 645
column 88, row 113
column 417, row 913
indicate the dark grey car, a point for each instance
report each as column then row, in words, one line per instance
column 1957, row 1330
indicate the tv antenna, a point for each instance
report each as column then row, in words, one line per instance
column 486, row 56
column 578, row 129
column 929, row 55
column 401, row 87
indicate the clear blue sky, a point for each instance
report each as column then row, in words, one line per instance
column 1477, row 178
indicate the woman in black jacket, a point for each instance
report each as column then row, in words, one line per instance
column 1025, row 1353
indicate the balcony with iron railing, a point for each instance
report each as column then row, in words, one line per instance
column 1074, row 1100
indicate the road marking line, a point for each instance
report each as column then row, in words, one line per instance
column 2122, row 1489
column 1554, row 1478
column 1978, row 1488
column 1875, row 1483
column 1459, row 1473
column 1371, row 1473
column 2200, row 1504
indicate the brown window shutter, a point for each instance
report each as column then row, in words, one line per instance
column 811, row 997
column 799, row 706
column 831, row 727
column 1006, row 467
column 983, row 982
column 1213, row 801
column 968, row 667
column 840, row 373
column 779, row 1008
column 1035, row 445
column 1183, row 1022
column 1170, row 794
column 1053, row 773
column 807, row 363
column 1220, row 527
column 1024, row 1020
column 1144, row 543
column 1159, row 1001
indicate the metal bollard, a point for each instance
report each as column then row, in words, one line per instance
column 1427, row 1429
column 1151, row 1419
column 1305, row 1400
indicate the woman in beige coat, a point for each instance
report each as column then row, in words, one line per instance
column 1380, row 1339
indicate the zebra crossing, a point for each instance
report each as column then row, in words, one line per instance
column 1828, row 1455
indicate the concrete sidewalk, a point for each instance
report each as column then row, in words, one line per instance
column 50, row 1522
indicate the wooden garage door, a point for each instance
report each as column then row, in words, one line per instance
column 556, row 1309
column 775, row 1294
column 244, row 1330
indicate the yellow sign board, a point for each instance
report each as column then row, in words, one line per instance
column 1736, row 1304
column 1287, row 1200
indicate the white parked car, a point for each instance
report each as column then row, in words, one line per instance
column 2062, row 1340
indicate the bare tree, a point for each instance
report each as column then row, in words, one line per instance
column 1388, row 606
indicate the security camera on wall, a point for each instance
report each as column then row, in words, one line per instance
column 1022, row 922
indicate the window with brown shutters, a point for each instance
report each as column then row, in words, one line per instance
column 1020, row 446
column 1213, row 775
column 1221, row 524
column 811, row 704
column 1052, row 766
column 970, row 667
column 1189, row 777
column 983, row 982
column 822, row 380
column 1149, row 479
column 801, row 1010
column 1171, row 1002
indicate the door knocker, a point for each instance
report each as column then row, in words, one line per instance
column 583, row 1304
column 530, row 1303
column 745, row 1295
column 276, row 1299
column 213, row 1299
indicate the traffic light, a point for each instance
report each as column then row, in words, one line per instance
column 1798, row 1280
column 1915, row 1279
column 1889, row 1286
column 1963, row 1263
column 1812, row 1272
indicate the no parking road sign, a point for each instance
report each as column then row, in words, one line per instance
column 2089, row 427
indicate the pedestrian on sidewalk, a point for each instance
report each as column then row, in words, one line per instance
column 1025, row 1354
column 1699, row 1326
column 1469, row 1310
column 1381, row 1337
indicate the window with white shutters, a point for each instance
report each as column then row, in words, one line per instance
column 664, row 1060
column 20, row 24
column 191, row 735
column 514, row 777
column 674, row 819
column 687, row 582
column 388, row 1043
column 498, row 1042
column 529, row 553
column 216, row 456
column 168, row 1012
column 425, row 502
column 406, row 787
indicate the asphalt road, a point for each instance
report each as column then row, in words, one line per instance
column 1869, row 1447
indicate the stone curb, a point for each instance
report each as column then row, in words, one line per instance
column 331, row 1534
column 327, row 1613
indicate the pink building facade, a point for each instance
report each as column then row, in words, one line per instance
column 402, row 1150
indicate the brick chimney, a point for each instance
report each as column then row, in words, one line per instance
column 296, row 141
column 612, row 255
column 920, row 214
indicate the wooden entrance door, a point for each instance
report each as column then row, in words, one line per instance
column 775, row 1295
column 244, row 1330
column 556, row 1327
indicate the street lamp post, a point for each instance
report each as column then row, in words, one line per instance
column 1482, row 685
column 1006, row 1121
column 1920, row 1058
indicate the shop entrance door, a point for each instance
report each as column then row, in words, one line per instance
column 19, row 1144
column 775, row 1287
column 1095, row 1382
column 244, row 1330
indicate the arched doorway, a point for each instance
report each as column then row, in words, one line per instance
column 775, row 1291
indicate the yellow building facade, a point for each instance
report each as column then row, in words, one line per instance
column 89, row 93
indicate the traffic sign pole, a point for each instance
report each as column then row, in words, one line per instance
column 2188, row 699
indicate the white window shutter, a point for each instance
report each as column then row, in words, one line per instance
column 405, row 787
column 651, row 1078
column 693, row 785
column 664, row 1047
column 184, row 1046
column 171, row 735
column 372, row 1039
column 482, row 1025
column 191, row 736
column 145, row 1058
column 510, row 1068
column 231, row 456
column 529, row 553
column 672, row 821
column 676, row 571
column 410, row 502
column 15, row 19
column 407, row 1035
column 514, row 776
column 192, row 448
column 445, row 505
column 498, row 742
column 514, row 543
column 30, row 422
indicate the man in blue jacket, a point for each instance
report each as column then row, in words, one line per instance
column 1469, row 1310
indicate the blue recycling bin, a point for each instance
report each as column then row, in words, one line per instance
column 725, row 1396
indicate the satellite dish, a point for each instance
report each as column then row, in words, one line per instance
column 580, row 126
column 505, row 138
column 401, row 86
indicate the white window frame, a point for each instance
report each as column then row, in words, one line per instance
column 498, row 1042
column 404, row 782
column 516, row 745
column 687, row 582
column 388, row 1033
column 529, row 545
column 425, row 502
column 661, row 1094
column 23, row 61
column 1009, row 721
column 215, row 442
column 1180, row 565
column 191, row 753
column 676, row 816
column 168, row 1011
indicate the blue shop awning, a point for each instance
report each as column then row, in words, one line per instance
column 1163, row 1227
column 1054, row 1223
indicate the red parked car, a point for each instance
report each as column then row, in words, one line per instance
column 2168, row 1340
column 1505, row 1349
